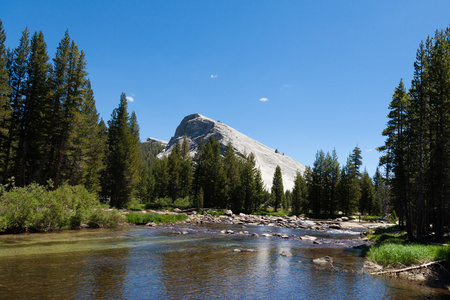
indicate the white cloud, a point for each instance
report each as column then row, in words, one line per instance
column 263, row 99
column 370, row 150
column 130, row 99
column 214, row 76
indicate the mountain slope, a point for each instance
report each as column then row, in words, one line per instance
column 196, row 126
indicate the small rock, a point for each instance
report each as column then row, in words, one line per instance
column 255, row 234
column 308, row 238
column 177, row 210
column 151, row 224
column 322, row 260
column 266, row 234
column 334, row 226
column 237, row 250
column 228, row 212
column 345, row 219
column 286, row 253
column 284, row 236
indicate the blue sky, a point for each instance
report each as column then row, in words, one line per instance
column 326, row 69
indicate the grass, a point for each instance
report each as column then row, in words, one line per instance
column 395, row 254
column 141, row 218
column 392, row 248
column 273, row 213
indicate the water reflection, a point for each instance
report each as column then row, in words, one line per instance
column 152, row 263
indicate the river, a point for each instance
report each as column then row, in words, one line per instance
column 200, row 263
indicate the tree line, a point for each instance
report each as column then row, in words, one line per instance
column 416, row 153
column 50, row 130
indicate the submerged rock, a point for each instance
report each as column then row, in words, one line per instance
column 286, row 253
column 322, row 261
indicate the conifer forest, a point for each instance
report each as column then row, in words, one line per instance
column 52, row 135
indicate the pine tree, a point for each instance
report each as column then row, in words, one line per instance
column 396, row 145
column 95, row 139
column 277, row 188
column 34, row 122
column 18, row 80
column 210, row 175
column 299, row 194
column 186, row 169
column 122, row 166
column 366, row 202
column 5, row 110
column 317, row 184
column 174, row 169
column 357, row 160
column 348, row 187
column 231, row 168
column 379, row 188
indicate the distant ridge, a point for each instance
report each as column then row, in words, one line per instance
column 196, row 126
column 156, row 141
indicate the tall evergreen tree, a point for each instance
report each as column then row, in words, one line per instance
column 34, row 123
column 357, row 160
column 366, row 201
column 231, row 168
column 123, row 157
column 18, row 80
column 277, row 188
column 299, row 194
column 186, row 172
column 5, row 110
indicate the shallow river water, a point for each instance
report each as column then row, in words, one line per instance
column 159, row 263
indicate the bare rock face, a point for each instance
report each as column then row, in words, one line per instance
column 196, row 126
column 156, row 141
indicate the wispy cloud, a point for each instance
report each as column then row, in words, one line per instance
column 130, row 98
column 370, row 150
column 214, row 76
column 263, row 99
column 286, row 85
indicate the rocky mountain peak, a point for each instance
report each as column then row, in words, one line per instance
column 196, row 126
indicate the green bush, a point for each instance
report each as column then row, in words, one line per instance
column 105, row 219
column 182, row 203
column 35, row 208
column 164, row 202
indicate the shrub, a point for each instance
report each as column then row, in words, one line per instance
column 164, row 202
column 182, row 203
column 34, row 208
column 105, row 219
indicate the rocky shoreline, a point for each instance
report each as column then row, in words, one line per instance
column 292, row 222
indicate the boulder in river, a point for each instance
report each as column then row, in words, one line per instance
column 322, row 261
column 286, row 253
